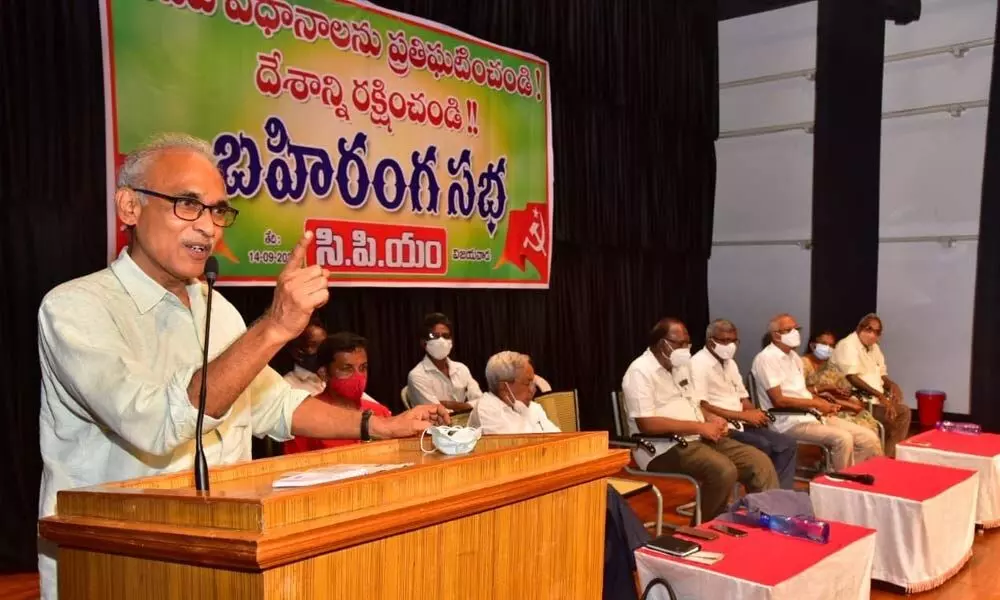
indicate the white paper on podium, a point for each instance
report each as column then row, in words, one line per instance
column 332, row 473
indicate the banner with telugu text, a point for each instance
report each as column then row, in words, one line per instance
column 418, row 155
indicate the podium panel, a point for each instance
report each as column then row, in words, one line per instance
column 520, row 517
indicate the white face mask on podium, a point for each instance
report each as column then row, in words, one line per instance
column 451, row 440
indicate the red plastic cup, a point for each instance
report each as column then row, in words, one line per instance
column 930, row 407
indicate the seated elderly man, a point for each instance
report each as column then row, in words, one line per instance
column 660, row 401
column 508, row 407
column 859, row 357
column 718, row 386
column 781, row 382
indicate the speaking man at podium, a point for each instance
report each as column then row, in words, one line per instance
column 121, row 349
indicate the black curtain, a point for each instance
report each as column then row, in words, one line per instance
column 846, row 163
column 634, row 104
column 986, row 320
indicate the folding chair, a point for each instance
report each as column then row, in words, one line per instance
column 692, row 510
column 870, row 403
column 460, row 419
column 825, row 465
column 563, row 409
column 404, row 395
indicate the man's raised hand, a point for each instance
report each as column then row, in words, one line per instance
column 299, row 291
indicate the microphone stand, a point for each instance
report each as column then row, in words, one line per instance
column 200, row 462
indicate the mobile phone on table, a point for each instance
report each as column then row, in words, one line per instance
column 693, row 532
column 668, row 544
column 726, row 529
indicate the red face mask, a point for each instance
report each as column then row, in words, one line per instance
column 349, row 389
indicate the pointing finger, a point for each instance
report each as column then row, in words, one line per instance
column 298, row 257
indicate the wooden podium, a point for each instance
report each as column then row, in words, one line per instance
column 521, row 517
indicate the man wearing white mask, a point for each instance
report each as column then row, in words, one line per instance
column 660, row 401
column 781, row 383
column 437, row 379
column 719, row 387
column 508, row 407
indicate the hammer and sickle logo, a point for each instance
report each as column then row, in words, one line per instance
column 536, row 241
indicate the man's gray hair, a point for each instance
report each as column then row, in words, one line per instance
column 133, row 171
column 504, row 367
column 772, row 325
column 718, row 325
column 868, row 319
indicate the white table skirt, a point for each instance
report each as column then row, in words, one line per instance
column 988, row 505
column 919, row 545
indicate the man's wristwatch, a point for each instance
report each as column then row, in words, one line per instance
column 365, row 418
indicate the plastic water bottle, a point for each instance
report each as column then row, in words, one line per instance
column 801, row 527
column 966, row 428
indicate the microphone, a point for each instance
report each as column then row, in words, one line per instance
column 200, row 463
column 862, row 478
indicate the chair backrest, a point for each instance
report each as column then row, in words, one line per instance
column 404, row 395
column 562, row 409
column 752, row 388
column 620, row 414
column 757, row 393
column 461, row 420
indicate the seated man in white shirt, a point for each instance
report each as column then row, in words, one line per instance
column 307, row 373
column 859, row 357
column 437, row 379
column 508, row 407
column 799, row 414
column 659, row 401
column 719, row 387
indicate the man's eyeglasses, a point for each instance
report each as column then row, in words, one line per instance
column 433, row 336
column 190, row 209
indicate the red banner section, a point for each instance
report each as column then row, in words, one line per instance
column 526, row 239
column 377, row 248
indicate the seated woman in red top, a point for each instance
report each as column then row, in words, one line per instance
column 343, row 362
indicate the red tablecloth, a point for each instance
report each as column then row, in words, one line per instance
column 752, row 558
column 768, row 565
column 977, row 452
column 984, row 444
column 913, row 481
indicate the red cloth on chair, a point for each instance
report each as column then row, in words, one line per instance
column 984, row 444
column 901, row 479
column 766, row 557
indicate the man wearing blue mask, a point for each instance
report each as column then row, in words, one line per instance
column 438, row 379
column 659, row 398
column 719, row 387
